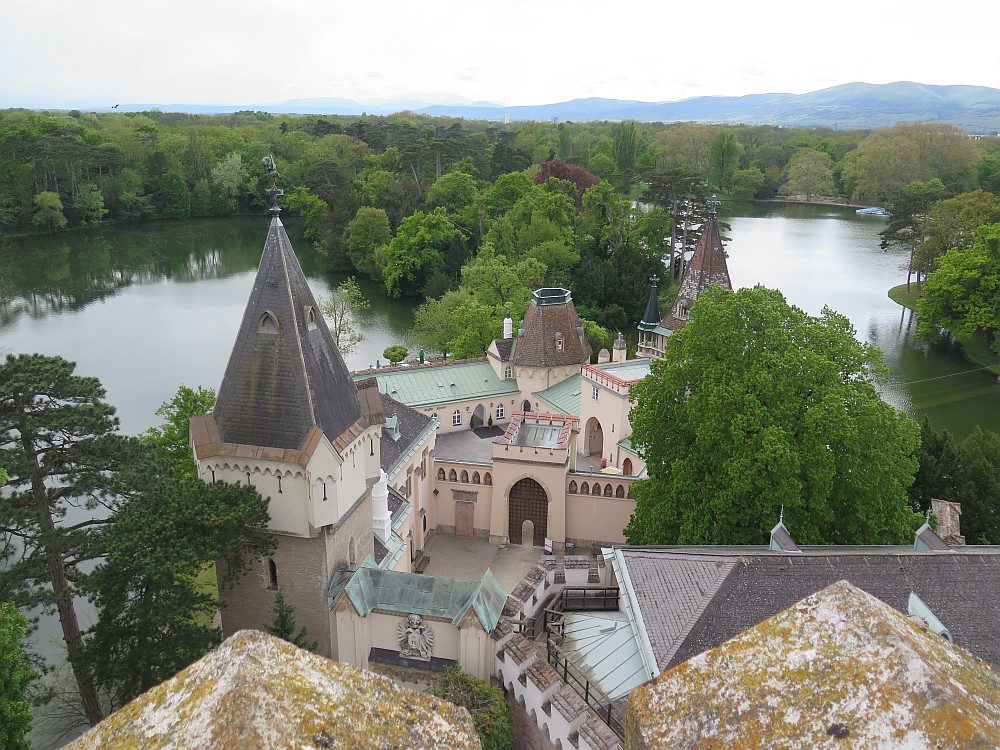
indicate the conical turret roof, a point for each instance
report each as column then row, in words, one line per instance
column 285, row 374
column 651, row 318
column 708, row 266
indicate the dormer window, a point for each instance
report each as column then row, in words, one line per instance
column 267, row 323
column 311, row 318
column 559, row 342
column 508, row 372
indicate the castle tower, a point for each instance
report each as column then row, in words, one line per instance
column 649, row 327
column 289, row 421
column 550, row 345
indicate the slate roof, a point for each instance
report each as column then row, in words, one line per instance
column 441, row 384
column 504, row 348
column 707, row 266
column 258, row 692
column 651, row 318
column 287, row 376
column 693, row 599
column 839, row 670
column 435, row 596
column 551, row 312
column 412, row 426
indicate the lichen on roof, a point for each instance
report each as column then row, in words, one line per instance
column 839, row 670
column 257, row 692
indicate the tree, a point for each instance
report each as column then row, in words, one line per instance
column 759, row 406
column 725, row 158
column 15, row 675
column 951, row 224
column 905, row 214
column 155, row 589
column 938, row 471
column 487, row 704
column 565, row 171
column 88, row 204
column 339, row 309
column 310, row 207
column 174, row 197
column 979, row 486
column 417, row 250
column 436, row 323
column 368, row 230
column 59, row 447
column 746, row 184
column 283, row 625
column 49, row 211
column 809, row 174
column 395, row 353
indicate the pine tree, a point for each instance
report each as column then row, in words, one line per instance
column 283, row 625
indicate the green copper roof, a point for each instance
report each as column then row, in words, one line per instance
column 441, row 384
column 435, row 596
column 564, row 396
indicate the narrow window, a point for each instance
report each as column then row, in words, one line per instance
column 324, row 489
column 585, row 488
column 572, row 488
column 452, row 476
column 465, row 476
column 487, row 478
column 279, row 484
column 248, row 479
column 272, row 574
column 476, row 478
column 500, row 411
column 441, row 474
column 456, row 418
column 596, row 393
column 508, row 371
column 213, row 475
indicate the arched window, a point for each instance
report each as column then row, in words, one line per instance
column 310, row 318
column 500, row 411
column 440, row 474
column 526, row 405
column 464, row 477
column 559, row 342
column 508, row 372
column 596, row 489
column 452, row 476
column 627, row 467
column 620, row 491
column 572, row 488
column 456, row 418
column 475, row 477
column 585, row 488
column 267, row 323
column 272, row 574
column 608, row 492
column 487, row 478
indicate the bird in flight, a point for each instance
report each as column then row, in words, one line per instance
column 115, row 107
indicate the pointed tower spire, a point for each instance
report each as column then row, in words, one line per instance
column 651, row 318
column 708, row 266
column 285, row 374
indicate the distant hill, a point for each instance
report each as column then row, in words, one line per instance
column 849, row 106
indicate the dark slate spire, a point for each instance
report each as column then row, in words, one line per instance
column 651, row 318
column 708, row 266
column 285, row 373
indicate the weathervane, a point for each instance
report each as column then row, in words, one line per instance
column 274, row 191
column 713, row 204
column 653, row 280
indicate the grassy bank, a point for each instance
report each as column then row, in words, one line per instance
column 975, row 347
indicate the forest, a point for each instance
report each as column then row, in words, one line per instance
column 469, row 216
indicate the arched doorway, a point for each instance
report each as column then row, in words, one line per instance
column 627, row 467
column 526, row 405
column 478, row 416
column 595, row 437
column 527, row 501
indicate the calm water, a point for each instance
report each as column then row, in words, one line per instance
column 147, row 308
column 830, row 256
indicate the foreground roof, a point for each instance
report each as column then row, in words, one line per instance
column 258, row 692
column 839, row 670
column 285, row 374
column 693, row 599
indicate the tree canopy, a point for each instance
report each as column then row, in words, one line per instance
column 487, row 704
column 15, row 675
column 759, row 406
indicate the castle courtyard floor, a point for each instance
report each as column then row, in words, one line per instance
column 470, row 556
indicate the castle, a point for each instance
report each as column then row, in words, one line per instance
column 527, row 445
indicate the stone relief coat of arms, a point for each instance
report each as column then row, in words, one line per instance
column 416, row 640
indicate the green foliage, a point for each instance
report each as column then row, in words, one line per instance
column 939, row 469
column 979, row 486
column 310, row 207
column 598, row 336
column 746, row 184
column 962, row 294
column 810, row 174
column 756, row 406
column 395, row 353
column 49, row 211
column 417, row 250
column 283, row 625
column 951, row 224
column 88, row 204
column 155, row 614
column 15, row 675
column 174, row 196
column 725, row 155
column 339, row 309
column 488, row 706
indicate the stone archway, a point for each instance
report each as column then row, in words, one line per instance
column 595, row 437
column 478, row 416
column 528, row 501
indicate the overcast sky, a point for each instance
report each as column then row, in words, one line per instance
column 72, row 53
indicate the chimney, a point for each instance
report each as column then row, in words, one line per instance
column 620, row 350
column 380, row 508
column 508, row 327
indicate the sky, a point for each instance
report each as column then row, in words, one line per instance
column 96, row 53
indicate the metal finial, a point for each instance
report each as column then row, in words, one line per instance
column 713, row 204
column 781, row 516
column 927, row 519
column 274, row 191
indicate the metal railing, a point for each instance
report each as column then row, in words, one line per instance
column 600, row 702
